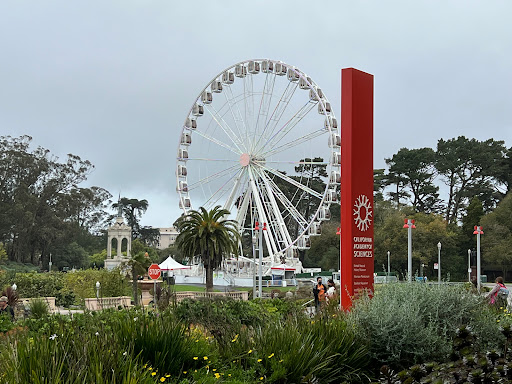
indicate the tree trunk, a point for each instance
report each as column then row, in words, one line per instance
column 134, row 287
column 209, row 278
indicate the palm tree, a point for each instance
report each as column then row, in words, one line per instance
column 209, row 235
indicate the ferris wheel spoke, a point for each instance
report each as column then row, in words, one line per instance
column 277, row 137
column 278, row 111
column 205, row 159
column 234, row 191
column 297, row 162
column 224, row 126
column 242, row 209
column 294, row 143
column 272, row 194
column 218, row 142
column 262, row 216
column 288, row 205
column 210, row 178
column 293, row 182
column 268, row 89
column 236, row 115
column 271, row 217
column 220, row 192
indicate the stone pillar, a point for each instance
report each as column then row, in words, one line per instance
column 109, row 247
column 119, row 244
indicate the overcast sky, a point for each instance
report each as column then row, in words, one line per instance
column 112, row 81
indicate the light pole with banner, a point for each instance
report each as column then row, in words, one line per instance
column 478, row 231
column 439, row 263
column 409, row 224
column 469, row 265
column 389, row 268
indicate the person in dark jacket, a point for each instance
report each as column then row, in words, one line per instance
column 319, row 291
column 5, row 308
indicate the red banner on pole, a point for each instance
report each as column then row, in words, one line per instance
column 356, row 184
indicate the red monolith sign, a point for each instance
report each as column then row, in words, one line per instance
column 356, row 184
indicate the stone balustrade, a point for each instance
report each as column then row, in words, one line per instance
column 236, row 295
column 93, row 304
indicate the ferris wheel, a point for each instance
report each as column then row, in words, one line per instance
column 262, row 141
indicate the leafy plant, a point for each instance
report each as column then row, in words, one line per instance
column 38, row 308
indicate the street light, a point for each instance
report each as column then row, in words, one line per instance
column 254, row 242
column 409, row 224
column 98, row 285
column 439, row 263
column 260, row 246
column 389, row 268
column 478, row 231
column 469, row 265
column 14, row 287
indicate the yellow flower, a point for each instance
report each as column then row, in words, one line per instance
column 153, row 374
column 281, row 361
column 261, row 378
column 497, row 321
column 197, row 341
column 271, row 356
column 229, row 374
column 162, row 379
column 205, row 357
column 214, row 369
column 195, row 357
column 250, row 351
column 217, row 375
column 150, row 369
column 145, row 366
column 259, row 360
column 184, row 372
column 501, row 307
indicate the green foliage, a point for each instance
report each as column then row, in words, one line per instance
column 413, row 323
column 38, row 308
column 208, row 234
column 497, row 241
column 97, row 260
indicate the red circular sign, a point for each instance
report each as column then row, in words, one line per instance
column 154, row 271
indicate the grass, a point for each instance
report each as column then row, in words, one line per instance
column 190, row 288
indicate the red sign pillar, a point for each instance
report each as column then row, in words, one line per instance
column 356, row 184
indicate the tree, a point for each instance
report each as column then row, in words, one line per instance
column 497, row 240
column 470, row 168
column 208, row 235
column 325, row 249
column 138, row 263
column 414, row 169
column 474, row 214
column 132, row 209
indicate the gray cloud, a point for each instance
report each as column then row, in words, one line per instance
column 113, row 81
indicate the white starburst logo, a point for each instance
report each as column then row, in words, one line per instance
column 362, row 213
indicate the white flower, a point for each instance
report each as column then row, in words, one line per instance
column 53, row 337
column 125, row 353
column 97, row 333
column 135, row 318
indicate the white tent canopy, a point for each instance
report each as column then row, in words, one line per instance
column 170, row 264
column 281, row 269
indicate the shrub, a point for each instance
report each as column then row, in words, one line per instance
column 38, row 308
column 407, row 324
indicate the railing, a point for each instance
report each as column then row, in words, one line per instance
column 94, row 304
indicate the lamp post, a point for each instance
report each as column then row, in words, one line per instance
column 260, row 246
column 14, row 287
column 409, row 224
column 439, row 263
column 478, row 231
column 254, row 241
column 98, row 285
column 50, row 264
column 469, row 265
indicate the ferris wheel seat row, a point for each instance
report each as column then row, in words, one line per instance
column 257, row 150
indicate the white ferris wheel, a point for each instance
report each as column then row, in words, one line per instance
column 249, row 143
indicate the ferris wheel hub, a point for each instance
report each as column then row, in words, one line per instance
column 245, row 159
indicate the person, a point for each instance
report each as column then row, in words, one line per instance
column 499, row 294
column 5, row 308
column 319, row 292
column 331, row 290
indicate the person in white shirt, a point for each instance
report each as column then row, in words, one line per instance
column 331, row 290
